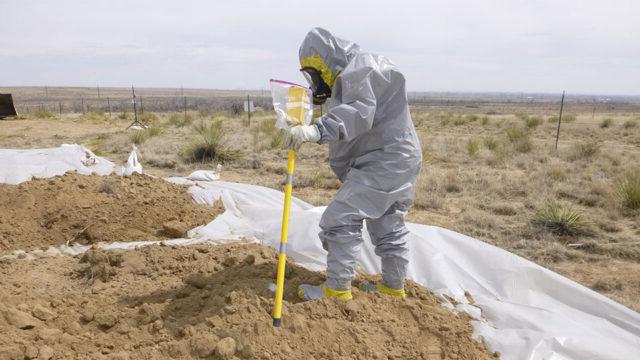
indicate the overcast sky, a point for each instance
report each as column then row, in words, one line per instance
column 582, row 46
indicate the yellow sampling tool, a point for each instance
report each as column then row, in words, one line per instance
column 297, row 105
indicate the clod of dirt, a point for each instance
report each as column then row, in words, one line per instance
column 20, row 319
column 90, row 209
column 175, row 229
column 226, row 348
column 42, row 313
column 102, row 264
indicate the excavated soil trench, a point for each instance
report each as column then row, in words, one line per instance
column 91, row 209
column 208, row 301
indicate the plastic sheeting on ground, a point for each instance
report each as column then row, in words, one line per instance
column 17, row 166
column 522, row 310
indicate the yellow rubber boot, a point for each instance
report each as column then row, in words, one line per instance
column 383, row 289
column 315, row 292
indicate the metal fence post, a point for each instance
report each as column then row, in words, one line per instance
column 560, row 119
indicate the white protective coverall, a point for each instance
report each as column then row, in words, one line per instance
column 374, row 151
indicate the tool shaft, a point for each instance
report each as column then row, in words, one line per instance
column 284, row 232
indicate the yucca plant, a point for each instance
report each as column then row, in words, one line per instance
column 209, row 144
column 561, row 219
column 143, row 135
column 628, row 189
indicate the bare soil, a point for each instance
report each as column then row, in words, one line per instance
column 209, row 301
column 92, row 209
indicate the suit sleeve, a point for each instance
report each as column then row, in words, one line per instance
column 353, row 114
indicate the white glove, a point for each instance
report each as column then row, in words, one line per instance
column 301, row 134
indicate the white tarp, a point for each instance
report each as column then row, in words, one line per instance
column 524, row 311
column 17, row 166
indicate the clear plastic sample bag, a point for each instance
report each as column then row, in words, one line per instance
column 292, row 103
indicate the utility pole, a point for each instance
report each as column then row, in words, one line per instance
column 560, row 119
column 98, row 86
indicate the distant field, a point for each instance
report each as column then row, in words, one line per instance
column 87, row 99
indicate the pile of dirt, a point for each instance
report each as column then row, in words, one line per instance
column 209, row 301
column 91, row 209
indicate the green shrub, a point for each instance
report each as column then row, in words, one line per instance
column 605, row 123
column 209, row 144
column 459, row 120
column 490, row 143
column 140, row 136
column 95, row 145
column 519, row 138
column 569, row 117
column 180, row 120
column 630, row 124
column 122, row 116
column 515, row 133
column 43, row 114
column 96, row 116
column 444, row 118
column 533, row 122
column 628, row 189
column 473, row 146
column 148, row 118
column 485, row 120
column 560, row 219
column 472, row 117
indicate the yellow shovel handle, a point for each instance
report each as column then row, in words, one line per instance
column 282, row 257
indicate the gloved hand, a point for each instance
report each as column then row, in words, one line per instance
column 299, row 134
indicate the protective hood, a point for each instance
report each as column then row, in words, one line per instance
column 326, row 53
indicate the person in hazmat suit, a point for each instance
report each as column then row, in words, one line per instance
column 374, row 151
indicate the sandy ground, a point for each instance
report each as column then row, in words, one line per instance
column 92, row 209
column 208, row 301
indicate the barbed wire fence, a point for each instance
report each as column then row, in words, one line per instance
column 120, row 104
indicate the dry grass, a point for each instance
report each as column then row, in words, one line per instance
column 473, row 146
column 180, row 120
column 586, row 149
column 533, row 122
column 569, row 117
column 630, row 124
column 490, row 143
column 606, row 123
column 43, row 114
column 519, row 138
column 140, row 136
